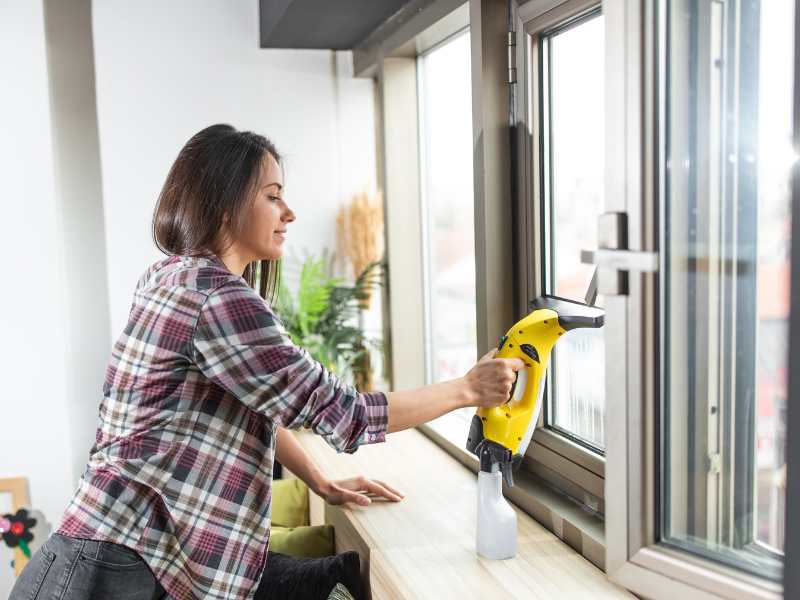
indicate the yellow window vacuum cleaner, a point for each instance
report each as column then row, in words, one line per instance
column 500, row 436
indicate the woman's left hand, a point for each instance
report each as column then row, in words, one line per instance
column 358, row 490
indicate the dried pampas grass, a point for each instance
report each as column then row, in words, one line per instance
column 359, row 228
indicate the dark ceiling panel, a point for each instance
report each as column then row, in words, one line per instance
column 334, row 24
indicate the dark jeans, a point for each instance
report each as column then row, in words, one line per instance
column 66, row 568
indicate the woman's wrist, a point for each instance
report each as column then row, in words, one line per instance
column 318, row 484
column 465, row 395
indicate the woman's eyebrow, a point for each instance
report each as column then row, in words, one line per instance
column 280, row 187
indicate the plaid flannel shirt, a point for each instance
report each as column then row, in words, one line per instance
column 181, row 468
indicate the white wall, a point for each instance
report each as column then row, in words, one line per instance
column 31, row 305
column 34, row 439
column 76, row 160
column 165, row 70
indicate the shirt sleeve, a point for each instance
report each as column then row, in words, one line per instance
column 241, row 345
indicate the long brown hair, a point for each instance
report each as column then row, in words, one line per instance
column 214, row 175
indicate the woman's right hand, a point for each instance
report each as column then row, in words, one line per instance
column 490, row 380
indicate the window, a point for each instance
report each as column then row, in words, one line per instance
column 726, row 213
column 564, row 160
column 425, row 86
column 572, row 118
column 564, row 56
column 696, row 461
column 447, row 209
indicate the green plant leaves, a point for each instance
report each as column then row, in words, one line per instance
column 313, row 293
column 324, row 317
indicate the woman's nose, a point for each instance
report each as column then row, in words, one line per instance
column 289, row 216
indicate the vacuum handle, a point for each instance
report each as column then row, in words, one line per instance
column 509, row 422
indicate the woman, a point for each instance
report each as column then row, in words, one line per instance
column 175, row 499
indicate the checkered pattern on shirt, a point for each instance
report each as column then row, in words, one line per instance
column 181, row 469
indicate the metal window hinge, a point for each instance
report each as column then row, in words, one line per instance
column 512, row 56
column 713, row 463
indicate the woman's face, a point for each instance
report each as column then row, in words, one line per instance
column 265, row 227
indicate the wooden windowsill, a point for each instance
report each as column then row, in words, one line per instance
column 424, row 546
column 582, row 530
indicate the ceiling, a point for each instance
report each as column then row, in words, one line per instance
column 331, row 24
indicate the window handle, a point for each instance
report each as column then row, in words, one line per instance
column 621, row 260
column 613, row 259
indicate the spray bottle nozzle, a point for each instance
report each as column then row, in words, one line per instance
column 496, row 457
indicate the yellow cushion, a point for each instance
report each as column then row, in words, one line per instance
column 289, row 503
column 310, row 541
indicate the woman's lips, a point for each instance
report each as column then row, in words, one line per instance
column 280, row 234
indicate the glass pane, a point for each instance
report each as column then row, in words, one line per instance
column 727, row 114
column 574, row 117
column 446, row 140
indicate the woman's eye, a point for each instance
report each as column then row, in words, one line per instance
column 275, row 198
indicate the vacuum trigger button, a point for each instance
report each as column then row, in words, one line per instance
column 530, row 351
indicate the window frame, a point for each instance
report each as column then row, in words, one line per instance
column 728, row 507
column 432, row 43
column 548, row 253
column 791, row 567
column 562, row 461
column 635, row 558
column 389, row 56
